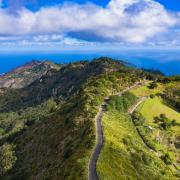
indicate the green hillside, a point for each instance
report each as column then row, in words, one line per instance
column 125, row 155
column 57, row 143
column 161, row 121
column 47, row 129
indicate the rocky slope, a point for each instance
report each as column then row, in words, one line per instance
column 26, row 74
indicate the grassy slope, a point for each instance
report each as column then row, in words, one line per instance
column 145, row 91
column 124, row 155
column 154, row 107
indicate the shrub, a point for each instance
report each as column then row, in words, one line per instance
column 7, row 158
column 156, row 119
column 138, row 118
column 173, row 123
column 146, row 138
column 146, row 159
column 168, row 158
column 163, row 116
column 164, row 122
column 152, row 96
column 153, row 85
column 122, row 103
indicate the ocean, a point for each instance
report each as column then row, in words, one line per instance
column 167, row 61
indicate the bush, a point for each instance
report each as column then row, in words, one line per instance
column 138, row 118
column 146, row 138
column 167, row 158
column 153, row 85
column 143, row 130
column 152, row 96
column 163, row 116
column 173, row 123
column 7, row 158
column 146, row 159
column 122, row 103
column 164, row 122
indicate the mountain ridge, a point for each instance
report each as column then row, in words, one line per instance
column 50, row 124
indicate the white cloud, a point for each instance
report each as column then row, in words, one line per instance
column 133, row 21
column 41, row 40
column 10, row 38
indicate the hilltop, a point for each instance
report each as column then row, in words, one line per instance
column 26, row 74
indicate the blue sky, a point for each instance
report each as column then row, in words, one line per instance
column 173, row 5
column 55, row 24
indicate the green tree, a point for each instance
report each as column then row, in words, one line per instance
column 153, row 85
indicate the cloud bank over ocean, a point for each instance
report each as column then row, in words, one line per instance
column 125, row 22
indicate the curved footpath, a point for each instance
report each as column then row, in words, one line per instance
column 100, row 138
column 131, row 110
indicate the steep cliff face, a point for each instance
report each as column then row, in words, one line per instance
column 26, row 74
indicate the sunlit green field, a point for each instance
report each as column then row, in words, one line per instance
column 124, row 155
column 145, row 91
column 154, row 107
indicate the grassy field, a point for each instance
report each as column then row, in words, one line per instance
column 154, row 107
column 145, row 91
column 124, row 155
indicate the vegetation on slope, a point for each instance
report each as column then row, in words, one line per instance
column 121, row 103
column 47, row 128
column 59, row 85
column 158, row 123
column 171, row 95
column 13, row 122
column 144, row 90
column 59, row 144
column 125, row 155
column 153, row 107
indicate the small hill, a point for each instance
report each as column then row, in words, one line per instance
column 26, row 74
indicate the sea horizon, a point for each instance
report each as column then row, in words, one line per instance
column 167, row 62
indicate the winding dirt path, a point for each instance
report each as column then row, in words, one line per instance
column 132, row 109
column 100, row 137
